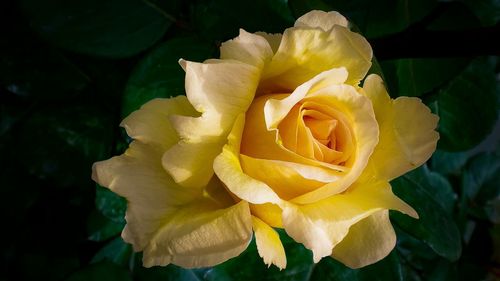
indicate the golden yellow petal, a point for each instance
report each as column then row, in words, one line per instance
column 269, row 213
column 268, row 244
column 407, row 131
column 228, row 169
column 367, row 242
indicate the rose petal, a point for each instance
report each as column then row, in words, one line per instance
column 152, row 194
column 321, row 19
column 200, row 235
column 274, row 39
column 276, row 110
column 259, row 142
column 322, row 225
column 288, row 180
column 269, row 213
column 304, row 52
column 228, row 169
column 268, row 244
column 407, row 131
column 150, row 123
column 249, row 48
column 367, row 242
column 220, row 90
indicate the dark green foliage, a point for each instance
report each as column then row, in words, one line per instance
column 71, row 70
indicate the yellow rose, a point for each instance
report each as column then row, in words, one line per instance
column 276, row 133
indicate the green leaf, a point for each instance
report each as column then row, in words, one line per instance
column 481, row 179
column 299, row 265
column 116, row 251
column 101, row 228
column 457, row 16
column 221, row 19
column 488, row 11
column 467, row 107
column 39, row 72
column 159, row 74
column 435, row 227
column 388, row 269
column 415, row 77
column 110, row 204
column 101, row 271
column 437, row 185
column 114, row 28
column 68, row 140
column 448, row 163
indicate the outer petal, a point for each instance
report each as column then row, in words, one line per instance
column 201, row 235
column 249, row 48
column 407, row 136
column 322, row 225
column 220, row 90
column 151, row 193
column 228, row 169
column 150, row 124
column 321, row 19
column 197, row 226
column 170, row 223
column 367, row 242
column 269, row 244
column 305, row 52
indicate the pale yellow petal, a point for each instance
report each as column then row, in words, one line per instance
column 268, row 244
column 321, row 19
column 274, row 39
column 151, row 193
column 150, row 123
column 200, row 235
column 322, row 225
column 407, row 131
column 304, row 52
column 220, row 91
column 249, row 48
column 367, row 242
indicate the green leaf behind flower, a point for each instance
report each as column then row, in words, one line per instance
column 435, row 227
column 467, row 106
column 159, row 74
column 416, row 77
column 112, row 28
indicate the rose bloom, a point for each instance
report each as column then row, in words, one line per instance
column 277, row 133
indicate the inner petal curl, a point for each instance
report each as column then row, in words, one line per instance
column 317, row 132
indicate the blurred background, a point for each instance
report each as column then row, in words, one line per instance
column 71, row 70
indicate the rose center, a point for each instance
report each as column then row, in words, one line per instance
column 318, row 132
